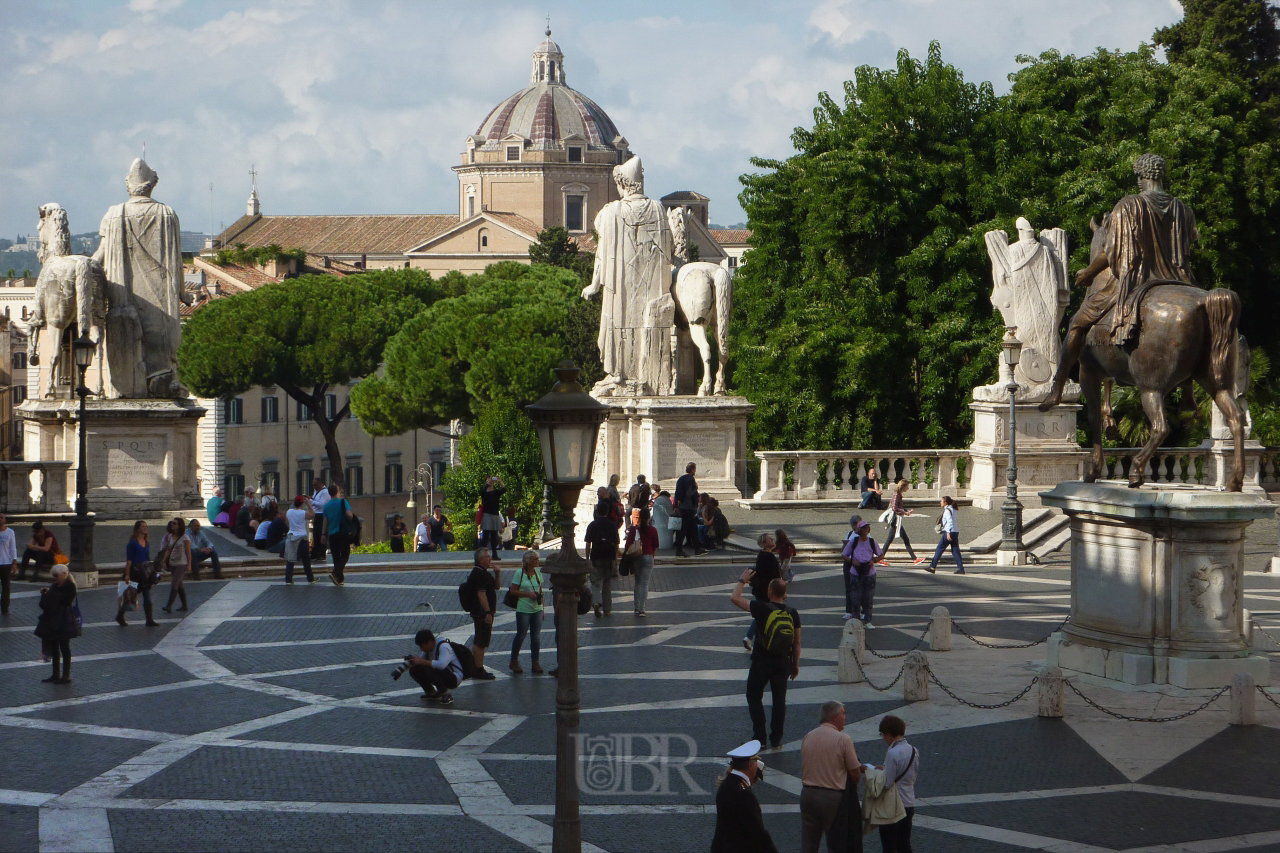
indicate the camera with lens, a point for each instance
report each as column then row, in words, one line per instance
column 401, row 669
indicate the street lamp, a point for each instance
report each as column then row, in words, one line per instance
column 422, row 479
column 81, row 556
column 568, row 420
column 1012, row 552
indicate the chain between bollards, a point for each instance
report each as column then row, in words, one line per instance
column 947, row 691
column 872, row 684
column 1267, row 695
column 917, row 645
column 1043, row 639
column 1130, row 719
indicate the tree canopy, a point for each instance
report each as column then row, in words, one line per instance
column 305, row 335
column 862, row 315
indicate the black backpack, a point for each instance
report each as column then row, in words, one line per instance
column 467, row 596
column 779, row 635
column 464, row 656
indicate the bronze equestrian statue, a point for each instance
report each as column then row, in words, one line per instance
column 1146, row 323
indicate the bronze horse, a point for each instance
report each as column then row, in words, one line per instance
column 1185, row 333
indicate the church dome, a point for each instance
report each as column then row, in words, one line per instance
column 547, row 111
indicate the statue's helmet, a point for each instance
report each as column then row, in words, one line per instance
column 1023, row 225
column 142, row 179
column 1150, row 166
column 631, row 172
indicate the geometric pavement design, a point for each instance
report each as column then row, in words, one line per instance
column 266, row 719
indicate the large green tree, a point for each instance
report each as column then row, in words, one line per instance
column 306, row 335
column 497, row 340
column 582, row 327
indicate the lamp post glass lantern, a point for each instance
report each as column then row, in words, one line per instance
column 422, row 480
column 568, row 420
column 81, row 557
column 1011, row 509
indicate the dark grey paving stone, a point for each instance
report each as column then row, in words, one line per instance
column 322, row 598
column 89, row 678
column 283, row 832
column 1242, row 759
column 281, row 658
column 363, row 727
column 1006, row 630
column 21, row 829
column 295, row 630
column 640, row 659
column 248, row 773
column 679, row 833
column 811, row 636
column 1018, row 755
column 1118, row 820
column 186, row 710
column 56, row 762
column 346, row 683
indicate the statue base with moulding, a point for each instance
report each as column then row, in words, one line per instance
column 659, row 436
column 142, row 453
column 1048, row 452
column 1157, row 584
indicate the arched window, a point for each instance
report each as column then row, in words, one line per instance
column 484, row 239
column 553, row 70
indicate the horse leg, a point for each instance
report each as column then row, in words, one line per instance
column 1226, row 403
column 1108, row 417
column 1093, row 399
column 1153, row 405
column 699, row 334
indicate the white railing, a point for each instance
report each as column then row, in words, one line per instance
column 834, row 474
column 1197, row 466
column 33, row 486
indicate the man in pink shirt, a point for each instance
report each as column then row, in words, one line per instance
column 828, row 764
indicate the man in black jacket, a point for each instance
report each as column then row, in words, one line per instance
column 739, row 823
column 602, row 550
column 686, row 501
column 484, row 580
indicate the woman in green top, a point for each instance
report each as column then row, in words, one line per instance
column 527, row 586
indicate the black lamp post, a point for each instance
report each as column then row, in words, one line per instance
column 568, row 420
column 422, row 479
column 81, row 557
column 1013, row 552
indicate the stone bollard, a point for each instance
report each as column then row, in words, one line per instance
column 940, row 629
column 1243, row 692
column 851, row 652
column 915, row 677
column 1247, row 625
column 1052, row 690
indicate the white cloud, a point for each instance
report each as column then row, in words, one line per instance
column 362, row 106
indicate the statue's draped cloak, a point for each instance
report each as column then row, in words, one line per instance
column 1149, row 237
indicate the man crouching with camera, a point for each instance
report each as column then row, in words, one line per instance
column 438, row 671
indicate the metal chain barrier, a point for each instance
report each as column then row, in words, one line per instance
column 871, row 683
column 1045, row 638
column 917, row 645
column 1263, row 632
column 1267, row 695
column 947, row 691
column 1130, row 719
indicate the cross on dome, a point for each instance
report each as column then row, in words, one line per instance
column 548, row 62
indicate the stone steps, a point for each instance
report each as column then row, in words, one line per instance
column 1044, row 531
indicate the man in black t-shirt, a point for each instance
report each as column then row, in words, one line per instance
column 602, row 551
column 870, row 488
column 484, row 581
column 773, row 657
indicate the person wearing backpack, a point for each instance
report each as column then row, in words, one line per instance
column 767, row 568
column 440, row 670
column 862, row 552
column 775, row 656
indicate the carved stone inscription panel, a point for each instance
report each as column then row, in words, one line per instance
column 707, row 448
column 135, row 461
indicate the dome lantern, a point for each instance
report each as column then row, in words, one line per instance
column 548, row 63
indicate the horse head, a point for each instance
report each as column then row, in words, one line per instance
column 1099, row 230
column 55, row 232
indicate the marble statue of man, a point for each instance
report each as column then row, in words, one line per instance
column 1030, row 291
column 141, row 253
column 633, row 271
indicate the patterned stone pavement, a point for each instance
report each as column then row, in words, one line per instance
column 267, row 720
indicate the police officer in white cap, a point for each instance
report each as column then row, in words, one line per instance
column 739, row 823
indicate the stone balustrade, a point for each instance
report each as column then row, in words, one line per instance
column 834, row 474
column 34, row 487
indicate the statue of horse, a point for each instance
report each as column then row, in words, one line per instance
column 70, row 289
column 703, row 295
column 1185, row 333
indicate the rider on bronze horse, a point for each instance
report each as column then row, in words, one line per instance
column 1149, row 236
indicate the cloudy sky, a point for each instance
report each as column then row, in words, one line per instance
column 361, row 106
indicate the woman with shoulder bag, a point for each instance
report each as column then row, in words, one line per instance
column 175, row 553
column 59, row 622
column 138, row 571
column 527, row 588
column 863, row 553
column 950, row 533
column 646, row 536
column 897, row 512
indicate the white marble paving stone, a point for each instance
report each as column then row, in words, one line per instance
column 75, row 831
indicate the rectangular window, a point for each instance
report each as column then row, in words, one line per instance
column 733, row 262
column 233, row 410
column 304, row 412
column 270, row 410
column 355, row 480
column 324, row 476
column 471, row 206
column 330, row 405
column 271, row 480
column 573, row 213
column 575, row 153
column 233, row 486
column 19, row 361
column 394, row 475
column 304, row 477
column 471, row 155
column 513, row 153
column 19, row 395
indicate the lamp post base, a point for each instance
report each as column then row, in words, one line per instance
column 1012, row 557
column 84, row 571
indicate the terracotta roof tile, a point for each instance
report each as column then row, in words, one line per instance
column 371, row 234
column 730, row 236
column 516, row 221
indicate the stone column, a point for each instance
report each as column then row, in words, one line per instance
column 915, row 679
column 940, row 629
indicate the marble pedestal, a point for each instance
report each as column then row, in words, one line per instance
column 1157, row 584
column 659, row 436
column 141, row 453
column 1048, row 452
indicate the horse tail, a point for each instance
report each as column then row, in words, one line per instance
column 86, row 286
column 722, row 283
column 1223, row 307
